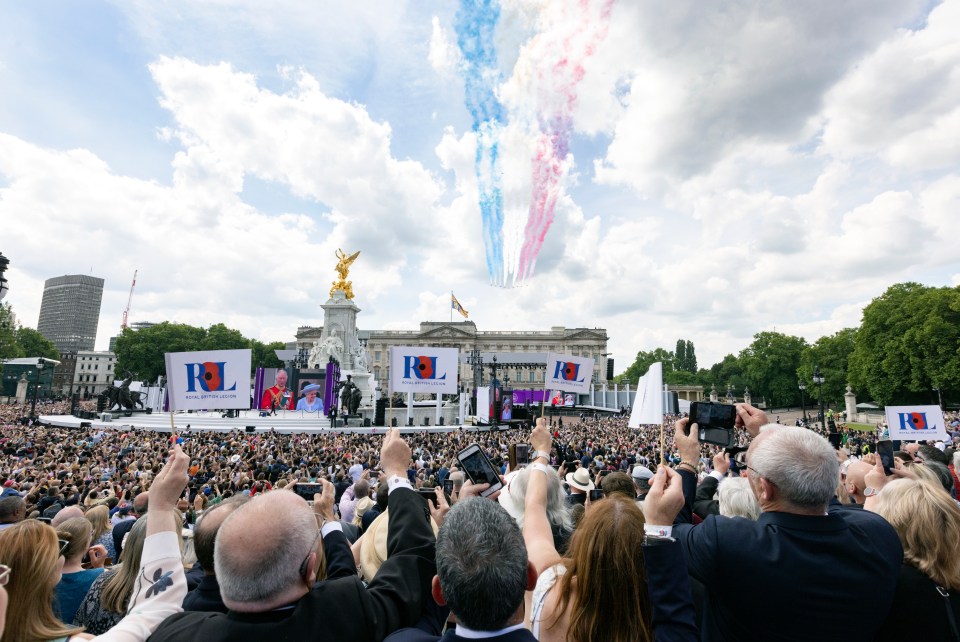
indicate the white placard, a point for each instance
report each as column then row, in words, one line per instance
column 568, row 373
column 648, row 403
column 424, row 369
column 916, row 423
column 210, row 379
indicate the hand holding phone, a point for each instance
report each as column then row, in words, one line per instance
column 479, row 469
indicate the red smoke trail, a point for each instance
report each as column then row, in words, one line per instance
column 556, row 125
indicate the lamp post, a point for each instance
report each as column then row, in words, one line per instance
column 4, row 262
column 939, row 398
column 803, row 405
column 36, row 385
column 818, row 379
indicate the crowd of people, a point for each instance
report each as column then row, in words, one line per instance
column 133, row 535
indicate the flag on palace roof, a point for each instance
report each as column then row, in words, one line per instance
column 459, row 308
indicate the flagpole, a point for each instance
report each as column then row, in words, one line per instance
column 663, row 445
column 451, row 306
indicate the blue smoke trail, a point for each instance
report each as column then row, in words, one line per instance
column 475, row 25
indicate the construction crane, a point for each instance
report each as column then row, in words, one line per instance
column 126, row 311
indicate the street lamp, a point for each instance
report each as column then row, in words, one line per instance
column 803, row 404
column 939, row 398
column 818, row 379
column 4, row 262
column 731, row 398
column 36, row 385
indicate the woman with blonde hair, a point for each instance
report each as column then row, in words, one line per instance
column 35, row 556
column 109, row 596
column 99, row 517
column 927, row 520
column 75, row 580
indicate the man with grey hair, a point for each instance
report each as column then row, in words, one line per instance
column 270, row 587
column 482, row 575
column 809, row 563
column 206, row 595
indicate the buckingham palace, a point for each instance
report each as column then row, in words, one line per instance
column 586, row 342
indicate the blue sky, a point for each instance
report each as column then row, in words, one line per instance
column 731, row 170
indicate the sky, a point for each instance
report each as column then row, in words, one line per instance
column 715, row 169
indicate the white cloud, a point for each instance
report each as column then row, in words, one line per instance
column 444, row 55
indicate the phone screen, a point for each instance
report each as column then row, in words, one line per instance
column 716, row 415
column 448, row 486
column 477, row 467
column 885, row 451
column 596, row 494
column 307, row 490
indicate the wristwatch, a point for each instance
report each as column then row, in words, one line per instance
column 536, row 454
column 871, row 492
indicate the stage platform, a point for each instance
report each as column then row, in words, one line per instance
column 289, row 421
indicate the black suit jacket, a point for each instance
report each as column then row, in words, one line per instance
column 339, row 608
column 669, row 586
column 703, row 503
column 206, row 597
column 792, row 577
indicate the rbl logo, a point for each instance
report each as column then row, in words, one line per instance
column 914, row 421
column 421, row 368
column 209, row 375
column 567, row 370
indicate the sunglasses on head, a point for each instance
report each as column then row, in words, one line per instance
column 4, row 574
column 64, row 545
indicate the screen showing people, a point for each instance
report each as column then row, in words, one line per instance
column 310, row 399
column 278, row 396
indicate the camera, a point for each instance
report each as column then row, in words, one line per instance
column 715, row 422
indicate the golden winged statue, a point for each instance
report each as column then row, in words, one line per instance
column 343, row 268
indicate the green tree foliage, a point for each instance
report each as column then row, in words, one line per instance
column 643, row 362
column 9, row 347
column 907, row 344
column 34, row 344
column 832, row 354
column 729, row 372
column 690, row 362
column 263, row 354
column 680, row 355
column 141, row 351
column 770, row 367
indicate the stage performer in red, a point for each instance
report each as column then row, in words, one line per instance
column 277, row 396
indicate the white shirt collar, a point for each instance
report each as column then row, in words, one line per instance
column 470, row 634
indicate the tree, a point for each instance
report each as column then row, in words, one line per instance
column 34, row 344
column 643, row 362
column 831, row 354
column 263, row 354
column 908, row 343
column 729, row 372
column 141, row 351
column 680, row 355
column 9, row 346
column 220, row 337
column 770, row 367
column 691, row 358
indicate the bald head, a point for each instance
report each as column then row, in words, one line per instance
column 63, row 515
column 856, row 480
column 256, row 571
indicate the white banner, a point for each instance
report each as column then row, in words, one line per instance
column 916, row 423
column 206, row 380
column 568, row 373
column 648, row 404
column 424, row 369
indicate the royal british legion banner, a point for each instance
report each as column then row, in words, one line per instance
column 209, row 379
column 916, row 423
column 568, row 373
column 424, row 369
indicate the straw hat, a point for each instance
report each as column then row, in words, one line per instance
column 580, row 479
column 373, row 549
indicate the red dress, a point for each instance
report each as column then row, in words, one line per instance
column 274, row 395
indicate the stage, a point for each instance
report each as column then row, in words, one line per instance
column 290, row 421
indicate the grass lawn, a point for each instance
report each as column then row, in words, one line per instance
column 862, row 427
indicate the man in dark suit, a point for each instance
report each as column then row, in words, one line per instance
column 482, row 574
column 267, row 565
column 792, row 574
column 206, row 595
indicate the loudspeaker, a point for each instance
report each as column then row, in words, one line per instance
column 410, row 421
column 86, row 424
column 609, row 369
column 149, row 411
column 366, row 422
column 251, row 428
column 441, row 421
column 426, row 421
column 393, row 422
